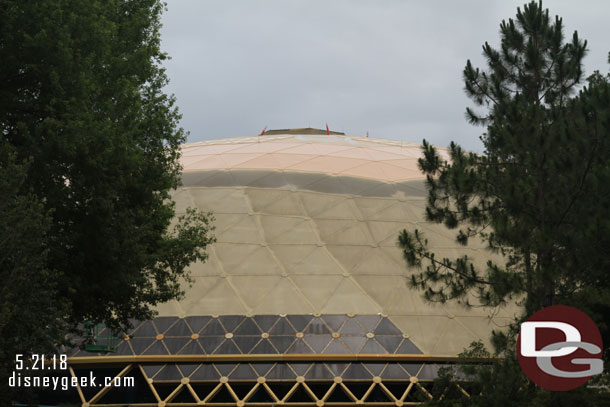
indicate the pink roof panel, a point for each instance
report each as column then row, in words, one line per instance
column 332, row 165
column 384, row 160
column 264, row 148
column 317, row 149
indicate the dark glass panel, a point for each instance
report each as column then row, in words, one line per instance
column 429, row 372
column 412, row 368
column 394, row 372
column 336, row 346
column 375, row 368
column 151, row 370
column 197, row 323
column 248, row 327
column 225, row 369
column 299, row 347
column 243, row 372
column 282, row 327
column 264, row 347
column 191, row 348
column 354, row 343
column 335, row 322
column 124, row 349
column 210, row 343
column 352, row 327
column 369, row 322
column 246, row 343
column 188, row 368
column 169, row 372
column 319, row 371
column 299, row 322
column 282, row 343
column 163, row 323
column 175, row 344
column 337, row 368
column 300, row 368
column 317, row 327
column 227, row 348
column 386, row 327
column 213, row 328
column 139, row 345
column 356, row 371
column 408, row 347
column 317, row 342
column 156, row 348
column 147, row 329
column 262, row 368
column 265, row 322
column 205, row 372
column 372, row 346
column 180, row 328
column 390, row 342
column 281, row 371
column 231, row 322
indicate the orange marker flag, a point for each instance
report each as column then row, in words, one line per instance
column 263, row 132
column 327, row 130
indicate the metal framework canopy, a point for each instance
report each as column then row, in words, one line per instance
column 303, row 300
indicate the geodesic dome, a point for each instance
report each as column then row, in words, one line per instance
column 304, row 297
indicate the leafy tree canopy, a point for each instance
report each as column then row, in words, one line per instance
column 82, row 102
column 31, row 314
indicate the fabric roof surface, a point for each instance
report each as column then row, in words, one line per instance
column 383, row 160
column 309, row 224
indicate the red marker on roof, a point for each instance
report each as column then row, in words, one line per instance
column 327, row 130
column 263, row 132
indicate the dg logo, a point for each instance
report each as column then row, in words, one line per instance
column 559, row 348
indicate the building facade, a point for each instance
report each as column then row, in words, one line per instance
column 304, row 297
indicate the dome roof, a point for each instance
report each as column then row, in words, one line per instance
column 379, row 159
column 308, row 224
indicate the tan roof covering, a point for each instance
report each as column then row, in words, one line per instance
column 384, row 160
column 295, row 239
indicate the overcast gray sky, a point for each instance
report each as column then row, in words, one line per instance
column 392, row 68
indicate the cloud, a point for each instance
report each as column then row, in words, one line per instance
column 391, row 68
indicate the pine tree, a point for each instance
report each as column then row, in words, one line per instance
column 538, row 193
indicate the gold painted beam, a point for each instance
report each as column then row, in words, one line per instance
column 291, row 357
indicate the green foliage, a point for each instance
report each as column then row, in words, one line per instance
column 82, row 101
column 502, row 383
column 30, row 311
column 539, row 196
column 538, row 193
